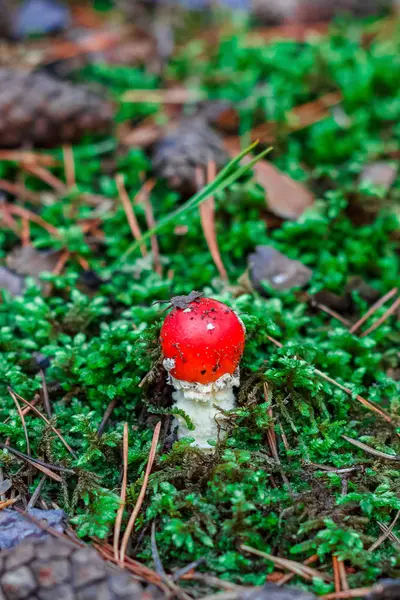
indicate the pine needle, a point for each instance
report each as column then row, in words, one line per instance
column 130, row 215
column 373, row 309
column 142, row 493
column 207, row 217
column 118, row 520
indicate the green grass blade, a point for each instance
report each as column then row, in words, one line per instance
column 225, row 178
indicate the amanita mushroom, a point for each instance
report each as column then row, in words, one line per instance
column 202, row 341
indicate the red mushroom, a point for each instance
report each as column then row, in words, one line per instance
column 202, row 341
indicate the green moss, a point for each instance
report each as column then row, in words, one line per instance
column 102, row 343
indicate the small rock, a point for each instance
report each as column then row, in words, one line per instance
column 11, row 282
column 40, row 17
column 29, row 262
column 14, row 527
column 379, row 173
column 271, row 591
column 386, row 589
column 277, row 270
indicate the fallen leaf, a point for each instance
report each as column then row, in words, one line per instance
column 285, row 198
column 277, row 270
column 143, row 136
column 11, row 282
column 379, row 173
column 30, row 262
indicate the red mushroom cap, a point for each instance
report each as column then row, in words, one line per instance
column 206, row 341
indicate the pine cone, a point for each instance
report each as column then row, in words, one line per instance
column 37, row 109
column 310, row 11
column 54, row 569
column 192, row 144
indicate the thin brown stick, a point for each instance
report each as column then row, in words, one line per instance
column 45, row 160
column 207, row 216
column 25, row 232
column 373, row 308
column 118, row 520
column 133, row 566
column 62, row 261
column 42, row 524
column 309, row 561
column 355, row 593
column 298, row 568
column 21, row 416
column 151, row 222
column 36, row 493
column 130, row 215
column 34, row 462
column 45, row 176
column 142, row 493
column 108, row 412
column 332, row 313
column 385, row 535
column 45, row 395
column 7, row 503
column 388, row 313
column 69, row 166
column 336, row 574
column 348, row 391
column 19, row 211
column 20, row 191
column 343, row 576
column 41, row 415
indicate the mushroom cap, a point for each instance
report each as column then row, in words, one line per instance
column 203, row 341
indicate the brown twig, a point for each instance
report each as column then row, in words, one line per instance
column 25, row 232
column 389, row 312
column 343, row 577
column 144, row 195
column 297, row 568
column 21, row 416
column 108, row 412
column 36, row 493
column 130, row 215
column 370, row 450
column 42, row 524
column 20, row 191
column 41, row 415
column 133, row 566
column 309, row 561
column 24, row 213
column 45, row 175
column 118, row 520
column 207, row 216
column 373, row 309
column 45, row 160
column 62, row 261
column 45, row 395
column 348, row 391
column 142, row 493
column 332, row 313
column 69, row 166
column 336, row 574
column 356, row 593
column 385, row 535
column 36, row 463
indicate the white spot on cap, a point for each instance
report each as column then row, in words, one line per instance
column 169, row 363
column 210, row 326
column 280, row 278
column 187, row 310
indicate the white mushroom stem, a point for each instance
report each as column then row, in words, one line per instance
column 201, row 402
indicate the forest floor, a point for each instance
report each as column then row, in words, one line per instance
column 306, row 486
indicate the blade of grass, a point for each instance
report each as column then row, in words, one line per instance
column 222, row 181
